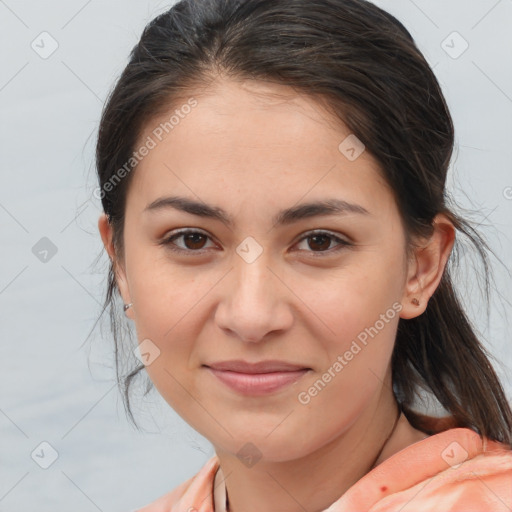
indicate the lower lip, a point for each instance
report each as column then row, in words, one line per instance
column 257, row 383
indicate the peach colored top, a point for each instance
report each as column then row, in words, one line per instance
column 452, row 471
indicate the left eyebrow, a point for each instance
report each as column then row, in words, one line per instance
column 314, row 209
column 284, row 217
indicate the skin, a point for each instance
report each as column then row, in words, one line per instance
column 253, row 148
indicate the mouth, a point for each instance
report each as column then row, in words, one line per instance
column 256, row 378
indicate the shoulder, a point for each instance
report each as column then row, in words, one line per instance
column 481, row 483
column 165, row 502
column 453, row 471
column 190, row 495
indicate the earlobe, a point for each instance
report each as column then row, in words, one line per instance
column 427, row 268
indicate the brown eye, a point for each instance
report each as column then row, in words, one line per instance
column 192, row 241
column 319, row 242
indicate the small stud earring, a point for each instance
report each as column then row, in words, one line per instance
column 126, row 306
column 415, row 301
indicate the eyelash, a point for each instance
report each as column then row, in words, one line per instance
column 168, row 242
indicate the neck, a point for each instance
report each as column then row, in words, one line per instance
column 318, row 479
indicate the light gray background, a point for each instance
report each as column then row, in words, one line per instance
column 50, row 110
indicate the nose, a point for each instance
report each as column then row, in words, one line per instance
column 255, row 302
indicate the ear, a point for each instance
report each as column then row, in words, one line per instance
column 426, row 267
column 106, row 233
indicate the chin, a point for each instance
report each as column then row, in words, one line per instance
column 266, row 445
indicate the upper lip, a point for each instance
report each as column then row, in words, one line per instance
column 238, row 365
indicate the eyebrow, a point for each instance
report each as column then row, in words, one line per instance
column 282, row 218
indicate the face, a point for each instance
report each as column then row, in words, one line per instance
column 318, row 290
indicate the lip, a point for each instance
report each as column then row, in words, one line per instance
column 268, row 366
column 257, row 378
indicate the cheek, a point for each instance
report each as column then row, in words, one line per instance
column 165, row 293
column 348, row 300
column 171, row 312
column 357, row 363
column 361, row 310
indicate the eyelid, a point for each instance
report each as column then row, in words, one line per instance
column 342, row 243
column 167, row 241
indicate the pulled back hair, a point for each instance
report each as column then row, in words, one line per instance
column 364, row 66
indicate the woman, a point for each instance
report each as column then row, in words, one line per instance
column 273, row 179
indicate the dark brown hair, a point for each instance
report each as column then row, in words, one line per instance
column 364, row 67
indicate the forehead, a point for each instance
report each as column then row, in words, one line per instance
column 257, row 140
